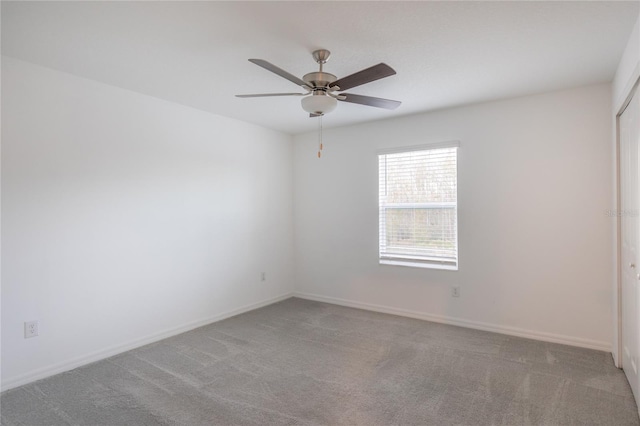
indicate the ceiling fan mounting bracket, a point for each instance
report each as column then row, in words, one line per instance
column 321, row 56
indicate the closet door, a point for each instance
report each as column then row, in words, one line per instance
column 629, row 123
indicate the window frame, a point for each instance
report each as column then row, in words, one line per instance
column 434, row 263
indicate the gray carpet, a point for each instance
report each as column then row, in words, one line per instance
column 301, row 363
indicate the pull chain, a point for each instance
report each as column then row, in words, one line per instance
column 320, row 137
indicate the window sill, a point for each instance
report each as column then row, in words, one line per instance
column 419, row 265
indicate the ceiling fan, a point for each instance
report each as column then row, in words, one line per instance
column 321, row 96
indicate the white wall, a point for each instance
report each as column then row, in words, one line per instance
column 627, row 74
column 126, row 218
column 535, row 179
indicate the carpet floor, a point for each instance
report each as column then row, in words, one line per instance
column 299, row 362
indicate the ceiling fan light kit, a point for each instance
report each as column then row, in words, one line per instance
column 319, row 104
column 322, row 88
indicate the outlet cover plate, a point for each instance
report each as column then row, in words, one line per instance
column 31, row 329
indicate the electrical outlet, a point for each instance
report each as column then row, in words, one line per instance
column 31, row 329
column 455, row 291
column 263, row 276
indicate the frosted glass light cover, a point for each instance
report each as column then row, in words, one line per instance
column 319, row 104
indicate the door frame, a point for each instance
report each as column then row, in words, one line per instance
column 632, row 86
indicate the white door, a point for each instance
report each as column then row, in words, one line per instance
column 629, row 203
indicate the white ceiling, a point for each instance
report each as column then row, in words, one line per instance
column 445, row 53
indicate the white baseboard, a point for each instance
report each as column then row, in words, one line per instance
column 114, row 350
column 50, row 370
column 511, row 331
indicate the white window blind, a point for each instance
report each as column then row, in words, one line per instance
column 418, row 207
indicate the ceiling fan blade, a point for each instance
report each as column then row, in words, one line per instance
column 282, row 73
column 368, row 75
column 370, row 101
column 264, row 95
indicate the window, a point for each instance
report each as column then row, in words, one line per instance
column 418, row 206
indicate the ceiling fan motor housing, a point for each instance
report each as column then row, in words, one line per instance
column 319, row 80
